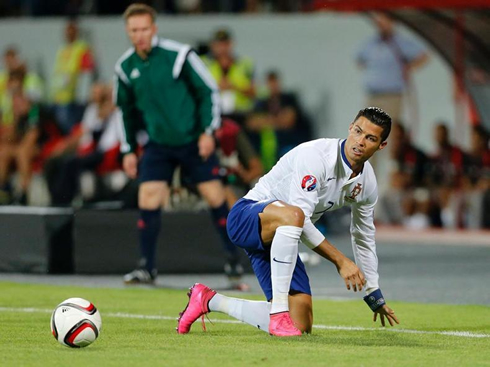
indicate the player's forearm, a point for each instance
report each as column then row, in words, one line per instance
column 364, row 244
column 331, row 253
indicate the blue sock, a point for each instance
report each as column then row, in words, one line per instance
column 220, row 214
column 149, row 228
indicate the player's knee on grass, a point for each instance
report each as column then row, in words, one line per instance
column 301, row 311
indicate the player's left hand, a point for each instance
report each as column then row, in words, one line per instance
column 353, row 277
column 206, row 145
column 385, row 311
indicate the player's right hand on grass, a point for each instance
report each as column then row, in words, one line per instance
column 130, row 165
column 385, row 311
column 352, row 275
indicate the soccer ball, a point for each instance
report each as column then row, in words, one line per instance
column 76, row 323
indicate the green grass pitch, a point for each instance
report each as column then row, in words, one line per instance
column 139, row 330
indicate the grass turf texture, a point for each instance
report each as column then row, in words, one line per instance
column 25, row 338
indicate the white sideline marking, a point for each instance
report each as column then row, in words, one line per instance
column 463, row 334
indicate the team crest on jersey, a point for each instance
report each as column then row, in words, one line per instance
column 308, row 183
column 134, row 74
column 353, row 194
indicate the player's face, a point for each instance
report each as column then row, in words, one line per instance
column 141, row 29
column 363, row 141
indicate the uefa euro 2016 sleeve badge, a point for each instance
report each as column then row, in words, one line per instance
column 309, row 183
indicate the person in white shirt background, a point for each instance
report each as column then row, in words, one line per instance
column 280, row 211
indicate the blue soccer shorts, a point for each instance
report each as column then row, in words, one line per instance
column 158, row 163
column 243, row 226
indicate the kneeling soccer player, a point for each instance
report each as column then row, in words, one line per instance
column 270, row 221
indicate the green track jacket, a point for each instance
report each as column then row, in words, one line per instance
column 171, row 90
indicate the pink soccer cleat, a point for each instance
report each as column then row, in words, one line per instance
column 199, row 297
column 281, row 325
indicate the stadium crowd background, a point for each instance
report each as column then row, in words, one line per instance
column 58, row 120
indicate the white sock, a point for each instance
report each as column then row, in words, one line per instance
column 284, row 252
column 255, row 313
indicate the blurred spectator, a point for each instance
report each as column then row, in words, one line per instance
column 406, row 201
column 33, row 86
column 476, row 180
column 73, row 73
column 93, row 147
column 410, row 161
column 240, row 162
column 447, row 164
column 445, row 180
column 18, row 136
column 278, row 122
column 387, row 60
column 234, row 76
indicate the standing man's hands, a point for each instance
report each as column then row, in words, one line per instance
column 385, row 311
column 352, row 275
column 130, row 165
column 206, row 145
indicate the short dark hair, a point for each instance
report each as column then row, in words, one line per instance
column 222, row 35
column 273, row 74
column 140, row 9
column 378, row 117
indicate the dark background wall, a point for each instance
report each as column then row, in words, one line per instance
column 104, row 242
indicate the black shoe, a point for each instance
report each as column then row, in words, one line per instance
column 140, row 276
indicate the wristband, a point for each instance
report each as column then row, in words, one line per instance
column 375, row 300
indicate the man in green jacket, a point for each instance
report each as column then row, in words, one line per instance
column 166, row 85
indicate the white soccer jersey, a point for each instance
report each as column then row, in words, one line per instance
column 315, row 176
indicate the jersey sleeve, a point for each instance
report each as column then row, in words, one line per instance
column 309, row 172
column 205, row 90
column 124, row 99
column 363, row 238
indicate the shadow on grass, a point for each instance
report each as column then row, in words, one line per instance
column 374, row 339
